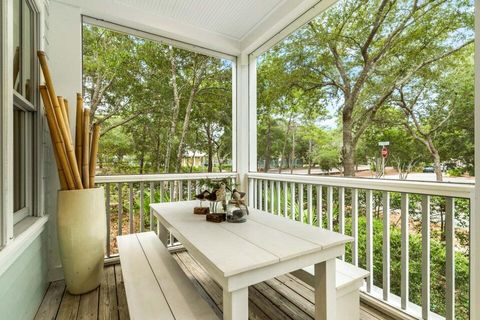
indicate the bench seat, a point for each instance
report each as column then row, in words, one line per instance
column 348, row 280
column 155, row 285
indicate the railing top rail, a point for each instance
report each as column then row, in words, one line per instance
column 164, row 177
column 456, row 190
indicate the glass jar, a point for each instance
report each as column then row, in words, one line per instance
column 236, row 213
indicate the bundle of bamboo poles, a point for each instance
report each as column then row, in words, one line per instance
column 76, row 164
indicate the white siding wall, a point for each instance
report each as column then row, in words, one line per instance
column 64, row 52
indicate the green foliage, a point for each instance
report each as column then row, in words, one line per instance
column 155, row 103
column 384, row 70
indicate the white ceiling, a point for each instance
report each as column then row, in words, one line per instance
column 231, row 18
column 232, row 27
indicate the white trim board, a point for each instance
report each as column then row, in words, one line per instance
column 28, row 230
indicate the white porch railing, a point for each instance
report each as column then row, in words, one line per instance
column 426, row 213
column 127, row 199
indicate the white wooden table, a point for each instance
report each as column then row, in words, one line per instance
column 266, row 246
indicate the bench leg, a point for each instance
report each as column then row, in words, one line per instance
column 325, row 292
column 235, row 304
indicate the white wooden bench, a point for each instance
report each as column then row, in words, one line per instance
column 155, row 285
column 349, row 279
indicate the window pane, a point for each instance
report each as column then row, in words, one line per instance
column 16, row 45
column 19, row 163
column 27, row 47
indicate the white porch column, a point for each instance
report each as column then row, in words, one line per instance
column 475, row 207
column 245, row 125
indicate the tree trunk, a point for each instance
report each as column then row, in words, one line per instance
column 267, row 147
column 210, row 157
column 437, row 165
column 293, row 152
column 348, row 148
column 197, row 79
column 210, row 147
column 142, row 163
column 309, row 156
column 284, row 148
column 175, row 111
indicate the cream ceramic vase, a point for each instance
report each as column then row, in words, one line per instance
column 81, row 236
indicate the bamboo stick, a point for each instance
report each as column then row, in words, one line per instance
column 93, row 154
column 79, row 131
column 64, row 110
column 67, row 109
column 64, row 174
column 86, row 149
column 67, row 139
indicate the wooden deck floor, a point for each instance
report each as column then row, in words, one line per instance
column 283, row 298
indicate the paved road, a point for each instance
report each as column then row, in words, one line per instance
column 392, row 176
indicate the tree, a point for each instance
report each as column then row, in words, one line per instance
column 360, row 52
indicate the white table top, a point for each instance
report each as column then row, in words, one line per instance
column 265, row 239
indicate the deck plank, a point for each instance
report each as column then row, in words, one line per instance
column 69, row 307
column 51, row 301
column 284, row 298
column 108, row 308
column 88, row 307
column 121, row 295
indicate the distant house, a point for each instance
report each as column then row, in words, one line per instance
column 197, row 158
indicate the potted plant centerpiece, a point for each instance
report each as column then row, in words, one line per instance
column 81, row 206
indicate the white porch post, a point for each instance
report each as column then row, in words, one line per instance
column 475, row 212
column 246, row 119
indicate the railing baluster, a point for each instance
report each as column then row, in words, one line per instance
column 319, row 206
column 279, row 201
column 341, row 211
column 162, row 191
column 285, row 199
column 142, row 218
column 255, row 193
column 425, row 257
column 329, row 208
column 405, row 251
column 272, row 196
column 300, row 202
column 260, row 194
column 265, row 195
column 369, row 235
column 309, row 204
column 107, row 213
column 292, row 200
column 120, row 209
column 152, row 200
column 355, row 226
column 180, row 190
column 386, row 245
column 171, row 190
column 130, row 209
column 189, row 190
column 450, row 257
column 250, row 194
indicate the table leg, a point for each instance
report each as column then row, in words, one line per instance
column 235, row 304
column 162, row 233
column 325, row 290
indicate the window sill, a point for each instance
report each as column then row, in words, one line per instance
column 25, row 232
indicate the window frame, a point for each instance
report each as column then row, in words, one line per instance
column 33, row 123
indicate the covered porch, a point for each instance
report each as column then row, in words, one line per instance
column 375, row 213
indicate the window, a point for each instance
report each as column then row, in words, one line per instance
column 24, row 107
